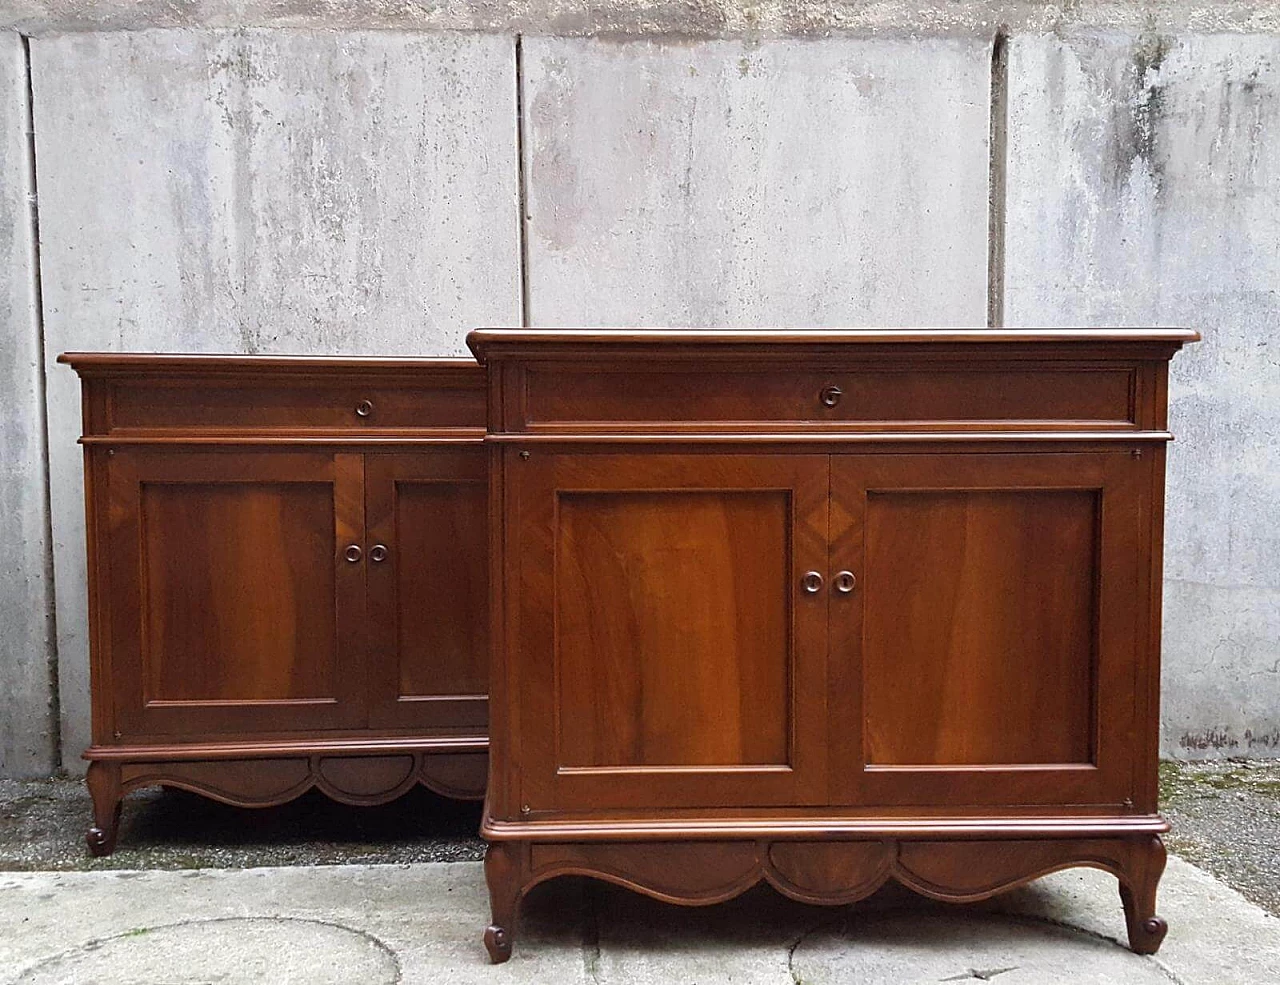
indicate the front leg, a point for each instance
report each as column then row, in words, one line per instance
column 104, row 787
column 505, row 865
column 1138, row 893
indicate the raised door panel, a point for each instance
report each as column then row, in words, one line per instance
column 993, row 640
column 232, row 607
column 663, row 633
column 428, row 588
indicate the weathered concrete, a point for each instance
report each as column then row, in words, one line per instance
column 350, row 191
column 681, row 18
column 258, row 192
column 784, row 183
column 28, row 727
column 422, row 923
column 1144, row 188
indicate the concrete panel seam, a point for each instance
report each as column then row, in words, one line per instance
column 522, row 185
column 37, row 293
column 997, row 176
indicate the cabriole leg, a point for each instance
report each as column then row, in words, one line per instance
column 104, row 787
column 504, row 864
column 1138, row 893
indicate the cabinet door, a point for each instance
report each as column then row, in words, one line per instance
column 992, row 651
column 662, row 651
column 231, row 604
column 428, row 581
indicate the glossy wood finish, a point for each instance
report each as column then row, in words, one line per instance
column 288, row 577
column 824, row 872
column 232, row 606
column 649, row 705
column 823, row 609
column 428, row 589
column 956, row 395
column 998, row 624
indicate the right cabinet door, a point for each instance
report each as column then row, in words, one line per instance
column 992, row 648
column 428, row 583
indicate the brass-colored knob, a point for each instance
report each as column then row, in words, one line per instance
column 811, row 582
column 364, row 408
column 830, row 395
column 845, row 582
column 353, row 553
column 378, row 552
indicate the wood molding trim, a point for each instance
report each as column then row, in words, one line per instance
column 825, row 872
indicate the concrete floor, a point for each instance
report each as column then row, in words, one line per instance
column 200, row 893
column 421, row 923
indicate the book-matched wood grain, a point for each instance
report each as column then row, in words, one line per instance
column 824, row 608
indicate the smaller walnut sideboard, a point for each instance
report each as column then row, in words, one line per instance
column 288, row 581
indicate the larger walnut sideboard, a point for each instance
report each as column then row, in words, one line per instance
column 288, row 580
column 824, row 608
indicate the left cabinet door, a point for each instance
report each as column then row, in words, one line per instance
column 235, row 591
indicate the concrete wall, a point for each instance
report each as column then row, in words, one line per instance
column 727, row 183
column 241, row 180
column 1144, row 189
column 214, row 191
column 28, row 716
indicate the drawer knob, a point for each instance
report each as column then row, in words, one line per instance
column 830, row 395
column 364, row 408
column 353, row 553
column 846, row 582
column 811, row 582
column 378, row 552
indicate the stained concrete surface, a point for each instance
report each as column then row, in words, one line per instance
column 246, row 190
column 1143, row 182
column 304, row 191
column 679, row 18
column 778, row 183
column 422, row 923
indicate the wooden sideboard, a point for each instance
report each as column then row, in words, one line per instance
column 824, row 608
column 288, row 577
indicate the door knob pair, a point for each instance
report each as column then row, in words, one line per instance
column 377, row 553
column 845, row 582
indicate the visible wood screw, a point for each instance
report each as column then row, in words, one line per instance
column 1136, row 453
column 524, row 455
column 526, row 809
column 117, row 735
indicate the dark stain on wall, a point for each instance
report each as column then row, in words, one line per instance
column 1148, row 103
column 1222, row 739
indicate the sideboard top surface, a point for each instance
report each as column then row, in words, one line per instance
column 487, row 343
column 134, row 363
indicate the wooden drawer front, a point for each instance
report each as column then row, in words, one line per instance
column 926, row 397
column 321, row 405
